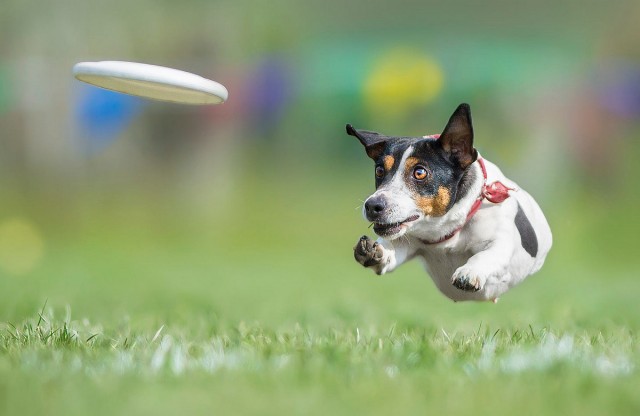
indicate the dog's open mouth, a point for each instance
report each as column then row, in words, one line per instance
column 389, row 229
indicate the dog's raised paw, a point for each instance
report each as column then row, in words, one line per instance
column 368, row 252
column 464, row 280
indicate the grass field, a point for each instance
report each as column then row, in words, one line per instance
column 140, row 306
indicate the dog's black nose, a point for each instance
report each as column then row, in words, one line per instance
column 374, row 207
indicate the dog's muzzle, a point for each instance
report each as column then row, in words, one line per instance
column 375, row 207
column 390, row 229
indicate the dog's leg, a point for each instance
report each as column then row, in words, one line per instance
column 489, row 264
column 381, row 256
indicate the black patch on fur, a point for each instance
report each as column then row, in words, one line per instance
column 468, row 178
column 394, row 146
column 447, row 159
column 430, row 154
column 528, row 237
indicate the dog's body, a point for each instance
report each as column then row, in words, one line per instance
column 477, row 232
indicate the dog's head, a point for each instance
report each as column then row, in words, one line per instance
column 417, row 178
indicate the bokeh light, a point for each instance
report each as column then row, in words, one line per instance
column 21, row 246
column 400, row 80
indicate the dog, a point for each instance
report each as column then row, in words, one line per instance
column 438, row 200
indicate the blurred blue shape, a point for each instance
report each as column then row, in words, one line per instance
column 102, row 115
column 271, row 90
column 619, row 88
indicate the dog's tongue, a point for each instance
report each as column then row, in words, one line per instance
column 432, row 136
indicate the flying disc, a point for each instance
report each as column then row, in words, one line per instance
column 151, row 81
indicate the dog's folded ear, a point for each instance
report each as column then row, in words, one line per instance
column 457, row 138
column 374, row 143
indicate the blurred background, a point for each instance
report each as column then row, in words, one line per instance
column 118, row 206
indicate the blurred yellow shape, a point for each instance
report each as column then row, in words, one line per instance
column 21, row 246
column 400, row 80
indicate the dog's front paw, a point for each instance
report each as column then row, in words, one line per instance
column 369, row 253
column 466, row 279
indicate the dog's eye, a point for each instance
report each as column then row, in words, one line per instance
column 379, row 171
column 420, row 173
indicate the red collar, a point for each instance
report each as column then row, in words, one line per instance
column 495, row 192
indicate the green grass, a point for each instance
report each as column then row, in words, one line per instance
column 69, row 366
column 137, row 309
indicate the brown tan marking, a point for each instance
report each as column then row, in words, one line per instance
column 435, row 206
column 388, row 162
column 410, row 163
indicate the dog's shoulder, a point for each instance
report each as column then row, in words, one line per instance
column 520, row 212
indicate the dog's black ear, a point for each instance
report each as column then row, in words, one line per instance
column 374, row 143
column 457, row 138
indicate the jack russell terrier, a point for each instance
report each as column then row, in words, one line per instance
column 437, row 199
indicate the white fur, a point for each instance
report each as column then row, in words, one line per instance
column 487, row 249
column 396, row 190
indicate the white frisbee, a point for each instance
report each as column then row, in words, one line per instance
column 151, row 81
